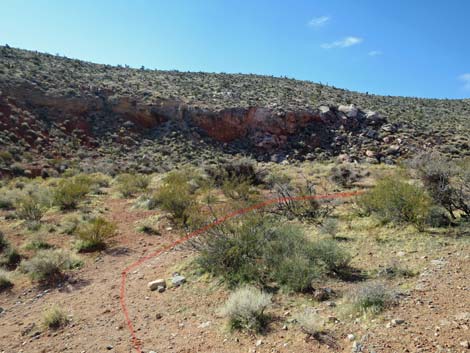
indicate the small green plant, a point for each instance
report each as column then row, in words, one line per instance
column 5, row 281
column 29, row 209
column 395, row 200
column 49, row 265
column 95, row 235
column 176, row 196
column 54, row 318
column 371, row 298
column 9, row 258
column 71, row 191
column 130, row 184
column 238, row 189
column 37, row 244
column 334, row 258
column 245, row 309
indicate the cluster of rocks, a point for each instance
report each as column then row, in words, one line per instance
column 160, row 283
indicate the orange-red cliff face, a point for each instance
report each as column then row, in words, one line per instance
column 58, row 125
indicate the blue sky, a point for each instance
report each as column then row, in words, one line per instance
column 413, row 48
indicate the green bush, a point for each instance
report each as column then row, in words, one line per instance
column 9, row 258
column 334, row 258
column 245, row 309
column 5, row 282
column 95, row 235
column 395, row 200
column 71, row 191
column 241, row 170
column 131, row 184
column 260, row 250
column 176, row 196
column 29, row 209
column 49, row 265
column 54, row 318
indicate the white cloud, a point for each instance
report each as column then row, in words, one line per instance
column 344, row 43
column 466, row 80
column 319, row 21
column 374, row 53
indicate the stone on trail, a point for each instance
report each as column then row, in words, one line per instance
column 178, row 280
column 153, row 285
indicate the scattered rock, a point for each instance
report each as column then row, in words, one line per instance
column 154, row 285
column 351, row 337
column 178, row 280
column 349, row 110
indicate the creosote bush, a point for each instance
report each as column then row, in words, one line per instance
column 245, row 309
column 49, row 265
column 71, row 191
column 95, row 235
column 177, row 196
column 237, row 170
column 259, row 250
column 130, row 184
column 29, row 209
column 54, row 318
column 397, row 201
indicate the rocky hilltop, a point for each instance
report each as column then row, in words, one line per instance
column 70, row 112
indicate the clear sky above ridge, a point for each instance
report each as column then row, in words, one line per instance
column 400, row 47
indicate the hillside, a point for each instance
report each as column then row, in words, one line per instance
column 59, row 108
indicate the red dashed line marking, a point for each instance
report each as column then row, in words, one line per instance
column 122, row 298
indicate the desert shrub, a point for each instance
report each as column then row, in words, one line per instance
column 49, row 265
column 334, row 258
column 6, row 203
column 5, row 281
column 395, row 200
column 241, row 170
column 131, row 184
column 54, row 318
column 37, row 243
column 238, row 189
column 344, row 175
column 71, row 191
column 310, row 322
column 259, row 250
column 245, row 309
column 176, row 196
column 298, row 202
column 329, row 226
column 438, row 217
column 371, row 298
column 448, row 182
column 95, row 235
column 9, row 258
column 29, row 209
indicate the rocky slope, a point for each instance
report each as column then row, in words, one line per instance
column 68, row 111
